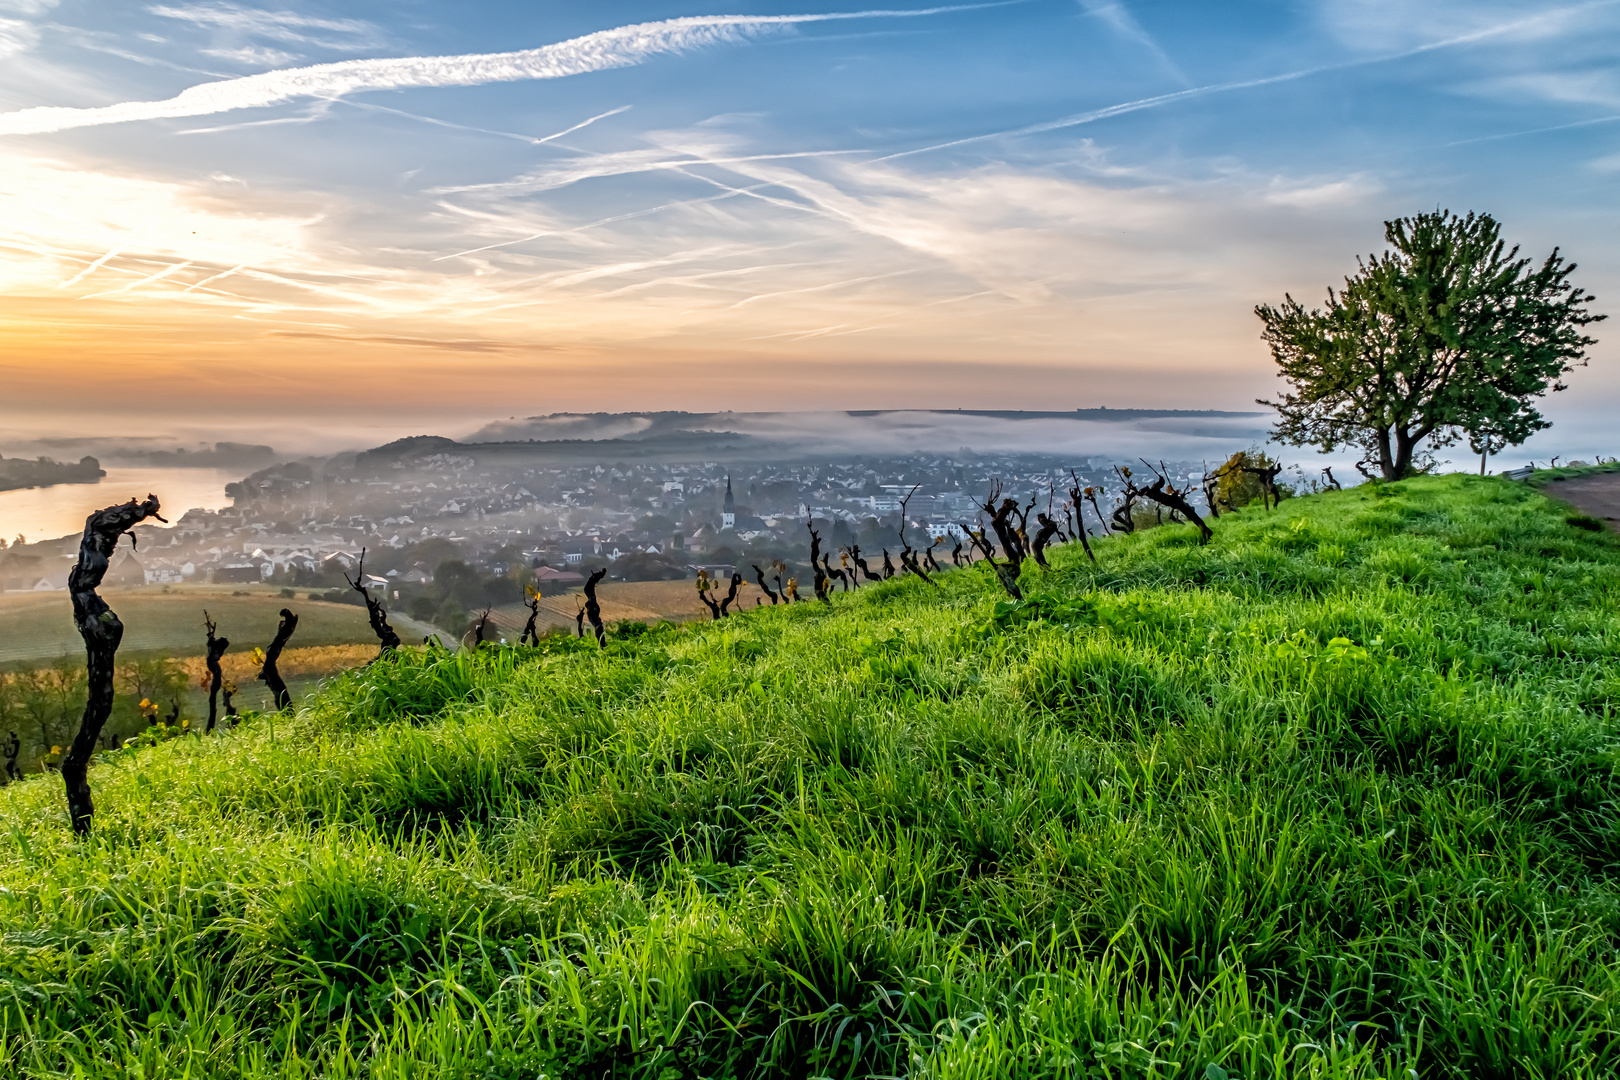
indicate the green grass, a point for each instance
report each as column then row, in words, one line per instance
column 1333, row 796
column 1565, row 472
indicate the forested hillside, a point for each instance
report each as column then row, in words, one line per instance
column 1332, row 795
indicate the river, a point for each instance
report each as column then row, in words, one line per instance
column 60, row 510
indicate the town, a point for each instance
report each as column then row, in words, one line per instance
column 497, row 522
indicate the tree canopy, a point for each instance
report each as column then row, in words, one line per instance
column 1447, row 335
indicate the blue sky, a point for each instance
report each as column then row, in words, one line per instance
column 1037, row 204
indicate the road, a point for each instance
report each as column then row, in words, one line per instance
column 1597, row 494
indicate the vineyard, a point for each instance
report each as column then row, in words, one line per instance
column 1332, row 793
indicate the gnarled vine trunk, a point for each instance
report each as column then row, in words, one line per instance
column 375, row 612
column 269, row 674
column 593, row 610
column 102, row 632
column 216, row 677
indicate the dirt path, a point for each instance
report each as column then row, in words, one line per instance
column 1597, row 495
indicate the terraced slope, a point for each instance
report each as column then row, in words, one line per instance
column 1332, row 796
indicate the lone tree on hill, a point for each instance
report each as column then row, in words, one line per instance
column 1447, row 335
column 102, row 632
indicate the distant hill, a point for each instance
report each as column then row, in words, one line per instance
column 44, row 472
column 648, row 435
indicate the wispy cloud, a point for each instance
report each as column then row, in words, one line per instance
column 1118, row 18
column 251, row 54
column 623, row 46
column 472, row 345
column 1539, row 22
column 1381, row 25
column 17, row 36
column 276, row 25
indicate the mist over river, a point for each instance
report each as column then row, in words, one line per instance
column 60, row 510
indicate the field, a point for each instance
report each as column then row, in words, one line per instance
column 641, row 601
column 38, row 626
column 1335, row 795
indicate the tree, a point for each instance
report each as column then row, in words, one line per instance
column 1448, row 334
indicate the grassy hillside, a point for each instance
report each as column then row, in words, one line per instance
column 1334, row 796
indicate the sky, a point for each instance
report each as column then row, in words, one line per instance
column 326, row 223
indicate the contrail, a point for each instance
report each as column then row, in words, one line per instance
column 92, row 268
column 1094, row 115
column 623, row 46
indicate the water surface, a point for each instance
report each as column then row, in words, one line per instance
column 60, row 510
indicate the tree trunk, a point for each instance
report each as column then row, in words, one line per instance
column 1386, row 458
column 216, row 677
column 531, row 636
column 819, row 575
column 375, row 612
column 1163, row 493
column 1043, row 536
column 102, row 632
column 766, row 589
column 593, row 610
column 268, row 673
column 731, row 594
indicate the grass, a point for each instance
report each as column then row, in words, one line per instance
column 1333, row 796
column 1566, row 472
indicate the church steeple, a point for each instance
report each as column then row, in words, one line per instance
column 728, row 509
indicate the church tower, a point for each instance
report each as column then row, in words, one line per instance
column 728, row 509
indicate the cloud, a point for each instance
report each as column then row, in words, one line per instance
column 1122, row 22
column 17, row 37
column 1476, row 32
column 1601, row 88
column 277, row 25
column 27, row 7
column 1332, row 193
column 473, row 345
column 1379, row 25
column 623, row 46
column 251, row 54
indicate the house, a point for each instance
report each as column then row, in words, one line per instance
column 237, row 573
column 124, row 569
column 545, row 575
column 343, row 559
